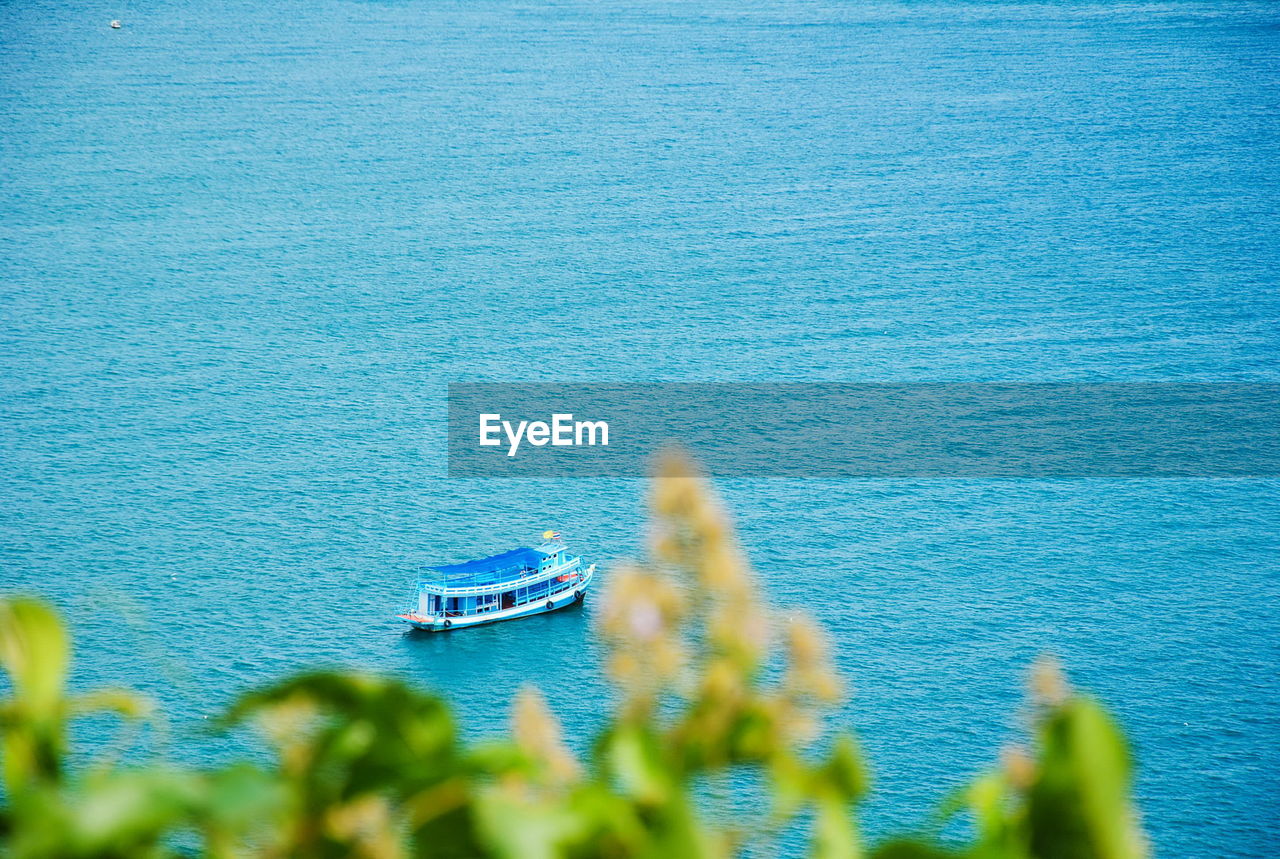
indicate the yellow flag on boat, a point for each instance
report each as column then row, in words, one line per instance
column 551, row 535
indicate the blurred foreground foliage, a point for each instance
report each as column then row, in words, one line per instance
column 368, row 766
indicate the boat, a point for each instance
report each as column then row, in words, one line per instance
column 517, row 583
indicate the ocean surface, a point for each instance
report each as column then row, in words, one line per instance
column 245, row 246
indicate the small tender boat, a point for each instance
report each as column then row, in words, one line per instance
column 514, row 584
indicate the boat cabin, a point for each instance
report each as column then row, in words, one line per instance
column 520, row 577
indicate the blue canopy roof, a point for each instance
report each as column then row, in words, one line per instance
column 496, row 568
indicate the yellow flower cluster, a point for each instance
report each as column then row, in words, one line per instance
column 691, row 623
column 537, row 734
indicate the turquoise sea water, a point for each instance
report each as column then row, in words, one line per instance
column 244, row 248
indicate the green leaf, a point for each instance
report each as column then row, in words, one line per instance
column 845, row 770
column 834, row 835
column 910, row 849
column 1079, row 806
column 633, row 757
column 34, row 651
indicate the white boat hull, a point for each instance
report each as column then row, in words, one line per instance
column 441, row 624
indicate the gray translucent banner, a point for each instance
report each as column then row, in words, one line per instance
column 868, row 430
